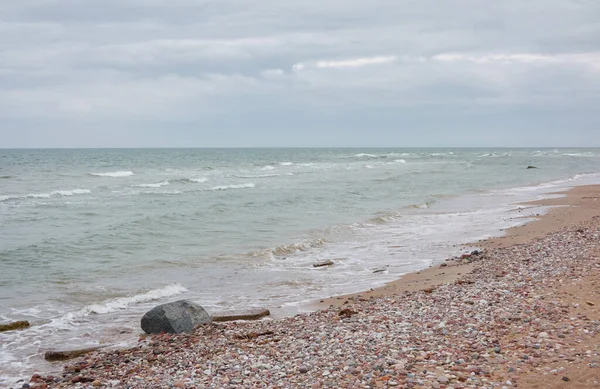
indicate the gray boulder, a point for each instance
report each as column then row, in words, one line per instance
column 175, row 318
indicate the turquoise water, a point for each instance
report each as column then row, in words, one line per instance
column 90, row 239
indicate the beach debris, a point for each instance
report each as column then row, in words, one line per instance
column 591, row 304
column 346, row 312
column 531, row 167
column 246, row 314
column 253, row 335
column 15, row 325
column 380, row 269
column 328, row 262
column 176, row 317
column 54, row 355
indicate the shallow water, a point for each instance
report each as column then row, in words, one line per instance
column 90, row 239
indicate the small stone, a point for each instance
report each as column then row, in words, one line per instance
column 591, row 304
column 303, row 370
column 96, row 383
column 566, row 379
column 543, row 335
column 443, row 379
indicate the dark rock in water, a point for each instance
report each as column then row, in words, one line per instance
column 531, row 167
column 64, row 355
column 324, row 263
column 246, row 314
column 15, row 325
column 175, row 318
column 475, row 252
column 380, row 270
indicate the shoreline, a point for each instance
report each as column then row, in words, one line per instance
column 579, row 206
column 572, row 207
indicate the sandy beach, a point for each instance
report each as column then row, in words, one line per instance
column 521, row 313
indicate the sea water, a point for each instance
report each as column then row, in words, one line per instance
column 91, row 239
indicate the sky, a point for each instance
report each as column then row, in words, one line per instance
column 258, row 73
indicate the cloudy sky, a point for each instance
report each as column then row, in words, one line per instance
column 205, row 73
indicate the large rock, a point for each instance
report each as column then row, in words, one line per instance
column 246, row 314
column 15, row 325
column 176, row 317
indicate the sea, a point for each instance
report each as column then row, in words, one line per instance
column 91, row 239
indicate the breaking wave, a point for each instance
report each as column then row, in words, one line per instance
column 157, row 185
column 47, row 195
column 425, row 205
column 199, row 180
column 292, row 248
column 124, row 173
column 227, row 187
column 365, row 155
column 261, row 175
column 123, row 302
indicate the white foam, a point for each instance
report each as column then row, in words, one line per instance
column 70, row 192
column 286, row 163
column 157, row 185
column 124, row 173
column 227, row 187
column 587, row 155
column 124, row 302
column 47, row 195
column 268, row 167
column 261, row 175
column 198, row 180
column 402, row 161
column 364, row 155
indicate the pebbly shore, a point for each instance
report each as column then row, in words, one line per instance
column 515, row 314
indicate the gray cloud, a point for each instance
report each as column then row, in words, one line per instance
column 253, row 67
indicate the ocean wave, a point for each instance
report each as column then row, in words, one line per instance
column 123, row 302
column 268, row 167
column 585, row 155
column 383, row 218
column 198, row 180
column 228, row 187
column 295, row 247
column 365, row 155
column 261, row 175
column 167, row 193
column 286, row 163
column 425, row 205
column 402, row 161
column 124, row 173
column 47, row 195
column 157, row 185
